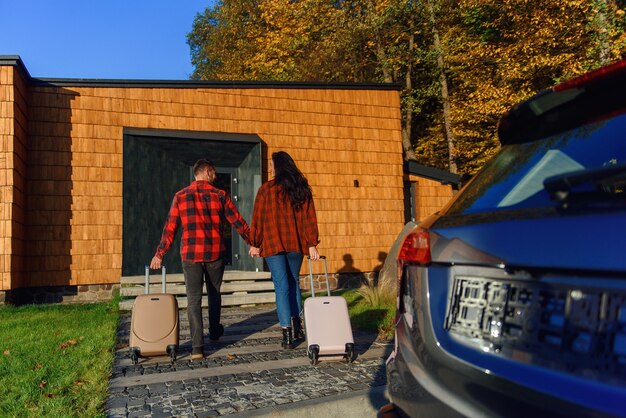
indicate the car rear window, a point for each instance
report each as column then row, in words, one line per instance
column 514, row 178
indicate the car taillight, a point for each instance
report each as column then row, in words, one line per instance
column 416, row 248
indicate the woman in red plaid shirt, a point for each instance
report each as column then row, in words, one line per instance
column 284, row 229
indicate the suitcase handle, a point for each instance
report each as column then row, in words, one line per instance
column 323, row 258
column 163, row 281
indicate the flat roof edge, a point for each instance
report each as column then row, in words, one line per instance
column 445, row 177
column 15, row 61
column 87, row 82
column 211, row 135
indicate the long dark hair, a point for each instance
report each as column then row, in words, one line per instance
column 292, row 181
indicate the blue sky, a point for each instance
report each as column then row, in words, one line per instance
column 113, row 39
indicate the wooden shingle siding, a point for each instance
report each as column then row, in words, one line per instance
column 6, row 175
column 13, row 136
column 71, row 193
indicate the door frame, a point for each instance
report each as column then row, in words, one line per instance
column 239, row 154
column 235, row 238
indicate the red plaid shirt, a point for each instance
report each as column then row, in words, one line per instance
column 277, row 227
column 199, row 208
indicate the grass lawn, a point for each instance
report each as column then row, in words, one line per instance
column 363, row 315
column 55, row 360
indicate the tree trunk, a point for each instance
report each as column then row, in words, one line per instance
column 601, row 28
column 409, row 153
column 444, row 92
column 382, row 58
column 407, row 148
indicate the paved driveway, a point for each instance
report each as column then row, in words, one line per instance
column 246, row 373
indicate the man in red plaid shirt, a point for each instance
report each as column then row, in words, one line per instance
column 200, row 208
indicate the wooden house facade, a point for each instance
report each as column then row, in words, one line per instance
column 88, row 168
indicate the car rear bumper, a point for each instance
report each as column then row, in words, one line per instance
column 434, row 375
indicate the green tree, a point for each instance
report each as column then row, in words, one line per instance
column 303, row 40
column 223, row 40
column 497, row 53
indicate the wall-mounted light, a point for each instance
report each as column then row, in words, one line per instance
column 356, row 183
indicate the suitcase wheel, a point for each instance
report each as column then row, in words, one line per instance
column 350, row 353
column 171, row 350
column 314, row 353
column 134, row 354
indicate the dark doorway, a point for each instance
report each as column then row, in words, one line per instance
column 157, row 164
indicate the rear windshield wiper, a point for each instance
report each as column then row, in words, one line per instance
column 605, row 184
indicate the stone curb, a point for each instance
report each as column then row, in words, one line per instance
column 358, row 404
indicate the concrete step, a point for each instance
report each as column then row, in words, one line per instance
column 238, row 288
column 236, row 299
column 229, row 276
column 179, row 289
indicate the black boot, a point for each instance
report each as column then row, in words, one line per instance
column 215, row 335
column 287, row 338
column 298, row 332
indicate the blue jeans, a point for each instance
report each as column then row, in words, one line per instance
column 285, row 269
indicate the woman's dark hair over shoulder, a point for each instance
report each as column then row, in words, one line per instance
column 293, row 182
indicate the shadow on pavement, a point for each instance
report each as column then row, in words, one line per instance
column 240, row 324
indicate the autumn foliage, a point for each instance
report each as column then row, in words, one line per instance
column 461, row 63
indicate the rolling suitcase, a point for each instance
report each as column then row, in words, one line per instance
column 154, row 323
column 327, row 324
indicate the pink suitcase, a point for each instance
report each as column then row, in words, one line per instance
column 327, row 324
column 154, row 323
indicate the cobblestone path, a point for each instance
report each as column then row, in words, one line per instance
column 246, row 371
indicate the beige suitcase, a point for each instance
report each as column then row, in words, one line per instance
column 154, row 323
column 327, row 324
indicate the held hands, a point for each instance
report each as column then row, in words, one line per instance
column 313, row 254
column 254, row 251
column 156, row 262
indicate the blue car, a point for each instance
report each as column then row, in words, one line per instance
column 512, row 299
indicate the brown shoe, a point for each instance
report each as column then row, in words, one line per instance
column 199, row 356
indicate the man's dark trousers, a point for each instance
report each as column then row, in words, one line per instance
column 196, row 274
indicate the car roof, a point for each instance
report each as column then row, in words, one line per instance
column 595, row 96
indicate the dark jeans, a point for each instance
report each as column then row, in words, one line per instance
column 195, row 275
